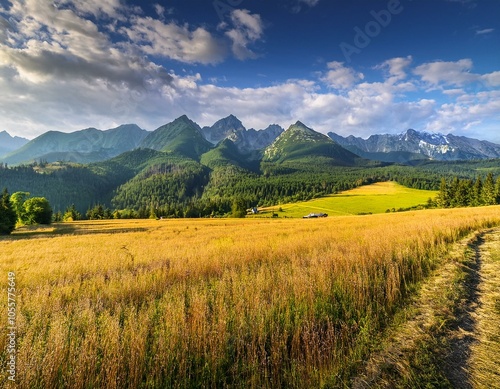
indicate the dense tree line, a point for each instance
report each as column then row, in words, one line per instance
column 64, row 185
column 146, row 183
column 469, row 193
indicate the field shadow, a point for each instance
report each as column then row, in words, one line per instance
column 37, row 232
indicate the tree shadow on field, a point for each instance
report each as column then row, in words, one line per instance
column 60, row 229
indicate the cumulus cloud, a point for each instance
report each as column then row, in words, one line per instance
column 396, row 67
column 176, row 42
column 447, row 73
column 340, row 77
column 60, row 70
column 247, row 29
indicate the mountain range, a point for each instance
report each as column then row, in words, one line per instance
column 10, row 143
column 84, row 146
column 183, row 169
column 414, row 145
column 185, row 137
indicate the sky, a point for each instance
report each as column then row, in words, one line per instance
column 354, row 67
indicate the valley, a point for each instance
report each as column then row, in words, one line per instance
column 183, row 170
column 180, row 287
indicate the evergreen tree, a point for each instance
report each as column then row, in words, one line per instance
column 476, row 197
column 96, row 213
column 71, row 214
column 238, row 209
column 463, row 193
column 8, row 215
column 453, row 192
column 497, row 190
column 443, row 197
column 488, row 193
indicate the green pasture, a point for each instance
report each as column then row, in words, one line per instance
column 375, row 198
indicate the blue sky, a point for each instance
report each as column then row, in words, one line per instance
column 355, row 67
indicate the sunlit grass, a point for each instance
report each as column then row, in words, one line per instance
column 375, row 198
column 211, row 303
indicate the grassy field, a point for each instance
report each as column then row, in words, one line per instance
column 375, row 198
column 257, row 303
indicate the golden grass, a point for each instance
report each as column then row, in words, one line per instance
column 215, row 303
column 484, row 360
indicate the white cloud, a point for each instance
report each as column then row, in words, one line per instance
column 340, row 77
column 396, row 67
column 454, row 92
column 491, row 79
column 485, row 31
column 170, row 40
column 297, row 7
column 447, row 73
column 247, row 29
column 59, row 70
column 50, row 44
column 310, row 3
column 160, row 10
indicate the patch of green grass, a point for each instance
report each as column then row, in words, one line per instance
column 375, row 198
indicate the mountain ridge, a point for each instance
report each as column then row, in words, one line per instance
column 413, row 145
column 186, row 137
column 300, row 143
column 9, row 143
column 87, row 145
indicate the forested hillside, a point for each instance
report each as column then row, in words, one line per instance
column 177, row 173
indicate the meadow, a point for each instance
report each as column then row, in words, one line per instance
column 244, row 303
column 375, row 198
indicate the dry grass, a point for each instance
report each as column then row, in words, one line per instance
column 215, row 303
column 485, row 361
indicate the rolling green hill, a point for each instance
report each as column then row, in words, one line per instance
column 375, row 198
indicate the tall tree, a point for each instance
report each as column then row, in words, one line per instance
column 497, row 190
column 18, row 199
column 477, row 190
column 443, row 197
column 8, row 216
column 238, row 208
column 488, row 193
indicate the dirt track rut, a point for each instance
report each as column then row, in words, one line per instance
column 452, row 328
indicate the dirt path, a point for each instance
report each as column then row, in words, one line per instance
column 484, row 361
column 449, row 336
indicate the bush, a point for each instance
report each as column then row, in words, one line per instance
column 37, row 211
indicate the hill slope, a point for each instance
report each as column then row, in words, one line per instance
column 182, row 136
column 89, row 145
